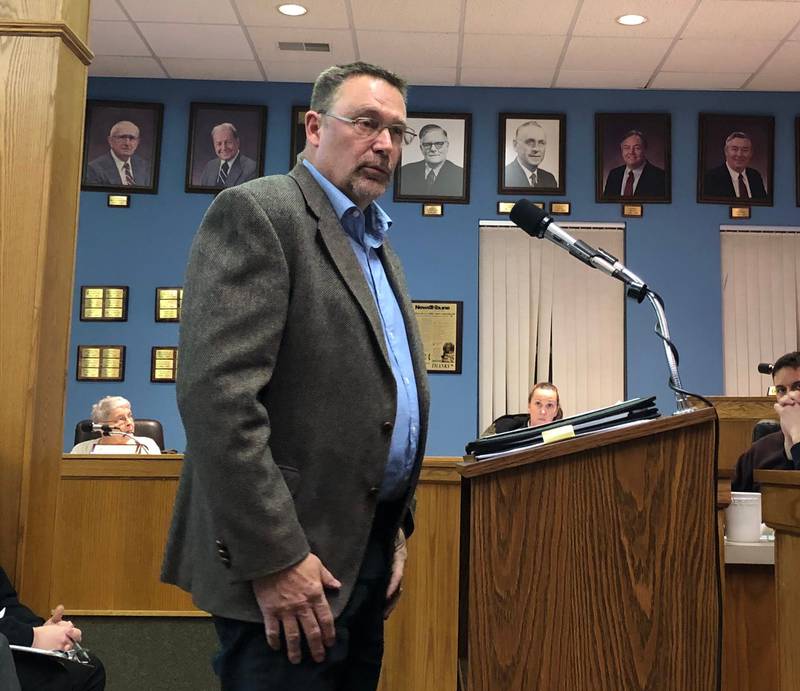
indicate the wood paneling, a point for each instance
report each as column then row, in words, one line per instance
column 41, row 127
column 750, row 661
column 593, row 567
column 737, row 417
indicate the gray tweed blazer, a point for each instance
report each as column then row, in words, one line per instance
column 286, row 394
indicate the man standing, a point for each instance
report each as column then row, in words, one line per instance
column 303, row 393
column 120, row 166
column 530, row 143
column 434, row 175
column 735, row 180
column 638, row 177
column 779, row 450
column 230, row 167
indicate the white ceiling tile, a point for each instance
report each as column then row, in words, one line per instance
column 194, row 11
column 714, row 55
column 696, row 81
column 113, row 66
column 421, row 75
column 773, row 82
column 391, row 48
column 106, row 9
column 607, row 79
column 192, row 68
column 742, row 19
column 527, row 17
column 598, row 18
column 512, row 53
column 212, row 41
column 410, row 15
column 781, row 72
column 266, row 41
column 115, row 38
column 484, row 76
column 322, row 14
column 295, row 71
column 600, row 54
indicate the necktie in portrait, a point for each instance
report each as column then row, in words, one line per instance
column 126, row 170
column 223, row 173
column 534, row 179
column 628, row 192
column 742, row 191
column 430, row 178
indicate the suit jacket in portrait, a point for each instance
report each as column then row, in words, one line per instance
column 242, row 170
column 515, row 177
column 103, row 171
column 717, row 183
column 652, row 182
column 448, row 183
column 286, row 393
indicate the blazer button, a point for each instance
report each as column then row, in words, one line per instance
column 373, row 491
column 388, row 426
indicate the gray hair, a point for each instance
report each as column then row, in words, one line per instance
column 526, row 124
column 738, row 135
column 432, row 126
column 228, row 126
column 328, row 82
column 101, row 411
column 635, row 133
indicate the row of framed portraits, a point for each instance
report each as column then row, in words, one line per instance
column 633, row 160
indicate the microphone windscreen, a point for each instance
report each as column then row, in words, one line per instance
column 529, row 217
column 765, row 368
column 86, row 427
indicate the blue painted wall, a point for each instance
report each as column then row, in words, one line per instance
column 675, row 247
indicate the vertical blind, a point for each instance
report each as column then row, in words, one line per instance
column 760, row 312
column 543, row 315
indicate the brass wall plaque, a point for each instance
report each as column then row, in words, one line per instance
column 168, row 304
column 104, row 303
column 163, row 364
column 101, row 363
column 560, row 208
column 433, row 209
column 740, row 212
column 505, row 207
column 633, row 210
column 119, row 201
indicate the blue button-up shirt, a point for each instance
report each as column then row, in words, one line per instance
column 367, row 232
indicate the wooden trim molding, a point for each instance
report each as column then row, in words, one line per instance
column 22, row 27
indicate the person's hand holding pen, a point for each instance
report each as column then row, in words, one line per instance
column 56, row 633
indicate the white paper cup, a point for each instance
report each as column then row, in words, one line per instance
column 743, row 517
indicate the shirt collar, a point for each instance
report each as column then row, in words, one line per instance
column 231, row 162
column 369, row 228
column 733, row 173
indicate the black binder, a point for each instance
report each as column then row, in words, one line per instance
column 592, row 421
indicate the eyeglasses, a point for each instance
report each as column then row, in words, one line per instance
column 370, row 128
column 433, row 145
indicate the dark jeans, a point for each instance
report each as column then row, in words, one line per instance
column 246, row 663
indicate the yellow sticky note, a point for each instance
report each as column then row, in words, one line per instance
column 557, row 434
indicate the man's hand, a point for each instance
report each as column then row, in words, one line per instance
column 295, row 598
column 56, row 615
column 56, row 636
column 395, row 588
column 789, row 412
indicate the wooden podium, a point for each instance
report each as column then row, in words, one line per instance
column 592, row 565
column 780, row 509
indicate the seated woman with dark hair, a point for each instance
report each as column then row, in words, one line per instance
column 116, row 413
column 544, row 406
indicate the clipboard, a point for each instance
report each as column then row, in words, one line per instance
column 60, row 655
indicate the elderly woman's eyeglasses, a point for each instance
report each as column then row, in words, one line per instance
column 369, row 128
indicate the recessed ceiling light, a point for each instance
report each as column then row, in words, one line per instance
column 631, row 19
column 292, row 10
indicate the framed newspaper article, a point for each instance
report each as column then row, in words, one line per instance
column 440, row 327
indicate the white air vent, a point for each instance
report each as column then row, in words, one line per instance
column 305, row 47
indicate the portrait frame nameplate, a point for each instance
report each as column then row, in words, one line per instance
column 441, row 325
column 739, row 213
column 212, row 145
column 435, row 166
column 633, row 210
column 560, row 208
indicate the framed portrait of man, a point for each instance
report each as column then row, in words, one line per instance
column 121, row 146
column 632, row 157
column 736, row 159
column 298, row 138
column 226, row 145
column 434, row 166
column 532, row 153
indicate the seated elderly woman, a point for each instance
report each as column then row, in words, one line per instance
column 115, row 412
column 544, row 406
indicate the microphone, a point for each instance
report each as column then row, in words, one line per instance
column 87, row 427
column 537, row 223
column 765, row 368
